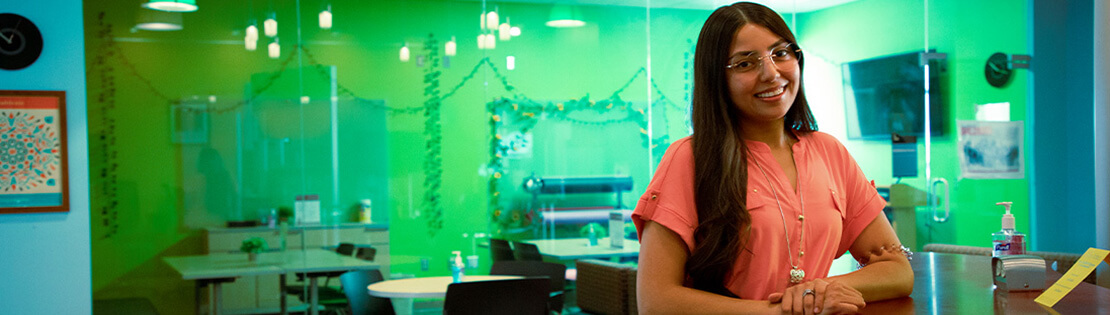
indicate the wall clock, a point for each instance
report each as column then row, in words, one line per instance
column 20, row 42
column 998, row 70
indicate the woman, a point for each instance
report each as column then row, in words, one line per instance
column 747, row 214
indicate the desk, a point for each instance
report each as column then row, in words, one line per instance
column 215, row 269
column 961, row 284
column 401, row 291
column 579, row 248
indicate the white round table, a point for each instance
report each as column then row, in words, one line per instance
column 401, row 291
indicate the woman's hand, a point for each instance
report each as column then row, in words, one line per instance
column 819, row 297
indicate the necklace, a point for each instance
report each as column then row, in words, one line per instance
column 796, row 272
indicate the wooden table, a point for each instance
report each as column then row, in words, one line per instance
column 580, row 248
column 961, row 284
column 215, row 269
column 401, row 291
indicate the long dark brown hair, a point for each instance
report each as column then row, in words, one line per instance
column 720, row 156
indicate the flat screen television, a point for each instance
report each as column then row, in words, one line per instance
column 886, row 95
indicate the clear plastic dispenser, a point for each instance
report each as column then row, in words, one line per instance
column 1008, row 241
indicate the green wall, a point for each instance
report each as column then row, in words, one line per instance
column 873, row 28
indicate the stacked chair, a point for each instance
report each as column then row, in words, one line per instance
column 526, row 252
column 500, row 250
column 606, row 288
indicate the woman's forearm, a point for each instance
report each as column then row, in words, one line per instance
column 683, row 300
column 881, row 280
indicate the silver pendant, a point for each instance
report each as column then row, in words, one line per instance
column 797, row 275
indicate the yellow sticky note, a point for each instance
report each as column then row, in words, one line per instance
column 1074, row 276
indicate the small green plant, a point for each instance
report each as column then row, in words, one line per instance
column 599, row 231
column 284, row 213
column 253, row 245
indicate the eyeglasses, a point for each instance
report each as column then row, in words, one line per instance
column 784, row 58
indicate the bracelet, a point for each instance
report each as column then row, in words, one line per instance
column 892, row 248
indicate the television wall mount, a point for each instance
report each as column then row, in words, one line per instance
column 999, row 67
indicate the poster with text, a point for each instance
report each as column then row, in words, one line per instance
column 33, row 152
column 991, row 149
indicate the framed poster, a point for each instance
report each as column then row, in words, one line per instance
column 33, row 174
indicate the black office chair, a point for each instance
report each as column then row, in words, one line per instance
column 345, row 249
column 555, row 272
column 526, row 252
column 355, row 300
column 366, row 253
column 500, row 250
column 325, row 291
column 526, row 296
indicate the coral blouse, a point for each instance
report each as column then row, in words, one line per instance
column 838, row 203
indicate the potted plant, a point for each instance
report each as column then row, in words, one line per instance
column 253, row 246
column 284, row 213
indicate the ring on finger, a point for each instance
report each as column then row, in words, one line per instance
column 809, row 292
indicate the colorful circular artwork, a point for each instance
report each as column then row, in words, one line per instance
column 29, row 146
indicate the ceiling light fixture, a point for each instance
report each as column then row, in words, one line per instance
column 325, row 18
column 252, row 31
column 491, row 20
column 563, row 15
column 275, row 49
column 270, row 25
column 450, row 48
column 172, row 5
column 491, row 41
column 154, row 20
column 251, row 38
column 503, row 31
column 250, row 43
column 405, row 53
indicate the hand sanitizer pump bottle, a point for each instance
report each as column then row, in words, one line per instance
column 457, row 267
column 1008, row 241
column 591, row 234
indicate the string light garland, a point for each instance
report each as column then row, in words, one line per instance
column 433, row 139
column 515, row 107
column 103, row 153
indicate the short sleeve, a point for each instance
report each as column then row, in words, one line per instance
column 862, row 202
column 669, row 198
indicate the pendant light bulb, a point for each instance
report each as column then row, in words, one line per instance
column 515, row 31
column 491, row 20
column 325, row 18
column 269, row 27
column 250, row 43
column 252, row 31
column 482, row 21
column 405, row 53
column 510, row 62
column 274, row 49
column 503, row 32
column 450, row 48
column 481, row 41
column 491, row 41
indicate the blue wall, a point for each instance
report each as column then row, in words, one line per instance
column 1062, row 179
column 45, row 258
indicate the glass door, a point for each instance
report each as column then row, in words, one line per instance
column 974, row 109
